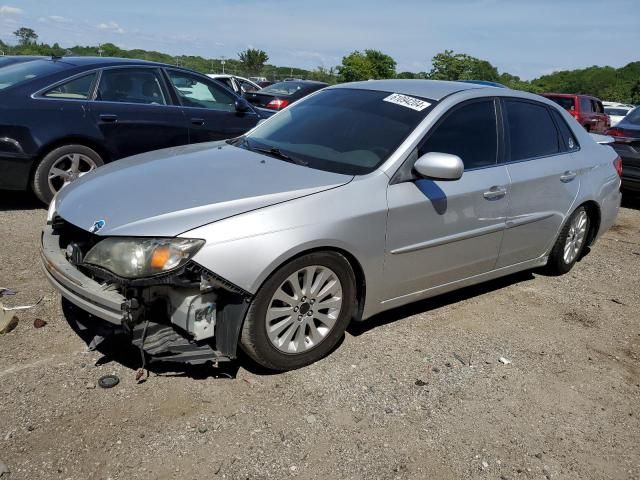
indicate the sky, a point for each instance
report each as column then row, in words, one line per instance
column 525, row 38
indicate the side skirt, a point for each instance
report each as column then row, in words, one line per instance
column 448, row 287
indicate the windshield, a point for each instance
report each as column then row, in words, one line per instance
column 21, row 72
column 565, row 102
column 341, row 130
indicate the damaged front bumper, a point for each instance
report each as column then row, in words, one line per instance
column 189, row 316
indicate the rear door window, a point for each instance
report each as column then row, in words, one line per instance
column 76, row 89
column 469, row 132
column 131, row 85
column 531, row 131
column 585, row 105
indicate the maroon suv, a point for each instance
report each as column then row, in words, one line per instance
column 587, row 110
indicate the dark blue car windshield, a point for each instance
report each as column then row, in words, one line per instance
column 21, row 72
column 342, row 130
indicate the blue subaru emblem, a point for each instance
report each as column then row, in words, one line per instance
column 97, row 226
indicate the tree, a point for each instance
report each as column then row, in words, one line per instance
column 372, row 64
column 449, row 65
column 383, row 65
column 26, row 36
column 253, row 59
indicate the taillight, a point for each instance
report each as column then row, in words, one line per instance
column 277, row 104
column 617, row 164
column 574, row 114
column 619, row 135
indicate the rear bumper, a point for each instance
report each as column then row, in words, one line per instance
column 15, row 170
column 82, row 291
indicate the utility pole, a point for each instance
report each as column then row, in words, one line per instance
column 222, row 62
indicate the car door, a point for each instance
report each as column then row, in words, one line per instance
column 545, row 178
column 133, row 111
column 439, row 232
column 209, row 108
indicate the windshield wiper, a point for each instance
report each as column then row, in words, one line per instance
column 275, row 152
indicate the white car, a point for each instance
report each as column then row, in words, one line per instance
column 239, row 85
column 617, row 113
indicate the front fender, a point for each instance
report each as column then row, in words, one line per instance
column 247, row 248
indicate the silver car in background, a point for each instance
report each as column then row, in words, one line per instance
column 358, row 199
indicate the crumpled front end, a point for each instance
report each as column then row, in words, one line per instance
column 185, row 315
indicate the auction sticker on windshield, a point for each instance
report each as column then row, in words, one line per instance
column 407, row 101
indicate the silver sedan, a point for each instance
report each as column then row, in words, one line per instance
column 358, row 199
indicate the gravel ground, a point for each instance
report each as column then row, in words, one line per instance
column 414, row 393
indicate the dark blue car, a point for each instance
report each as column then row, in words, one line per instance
column 63, row 117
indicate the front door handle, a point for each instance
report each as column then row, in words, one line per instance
column 567, row 176
column 108, row 117
column 495, row 193
column 197, row 121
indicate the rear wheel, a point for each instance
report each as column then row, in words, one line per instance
column 301, row 312
column 570, row 243
column 62, row 166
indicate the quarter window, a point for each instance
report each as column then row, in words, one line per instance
column 129, row 85
column 78, row 88
column 569, row 142
column 532, row 132
column 195, row 92
column 468, row 132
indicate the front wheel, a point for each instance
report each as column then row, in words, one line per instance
column 570, row 243
column 301, row 312
column 62, row 166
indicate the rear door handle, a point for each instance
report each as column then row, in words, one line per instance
column 197, row 121
column 495, row 193
column 567, row 176
column 108, row 117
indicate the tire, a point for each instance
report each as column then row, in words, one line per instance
column 576, row 228
column 306, row 330
column 64, row 159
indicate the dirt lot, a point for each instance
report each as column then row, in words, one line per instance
column 397, row 399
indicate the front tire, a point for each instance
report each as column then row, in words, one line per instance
column 300, row 313
column 570, row 243
column 62, row 166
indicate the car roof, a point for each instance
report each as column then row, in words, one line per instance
column 432, row 89
column 568, row 95
column 98, row 61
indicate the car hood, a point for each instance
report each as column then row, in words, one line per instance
column 168, row 192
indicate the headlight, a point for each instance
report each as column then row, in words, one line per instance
column 142, row 257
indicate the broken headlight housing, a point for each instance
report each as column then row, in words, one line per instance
column 142, row 257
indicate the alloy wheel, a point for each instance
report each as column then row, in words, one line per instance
column 304, row 309
column 575, row 237
column 68, row 168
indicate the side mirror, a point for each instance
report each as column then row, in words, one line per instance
column 439, row 166
column 242, row 105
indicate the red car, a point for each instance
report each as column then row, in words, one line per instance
column 587, row 110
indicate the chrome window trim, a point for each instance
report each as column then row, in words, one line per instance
column 39, row 94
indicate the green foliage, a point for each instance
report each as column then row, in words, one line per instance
column 26, row 36
column 253, row 60
column 372, row 64
column 606, row 83
column 449, row 65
